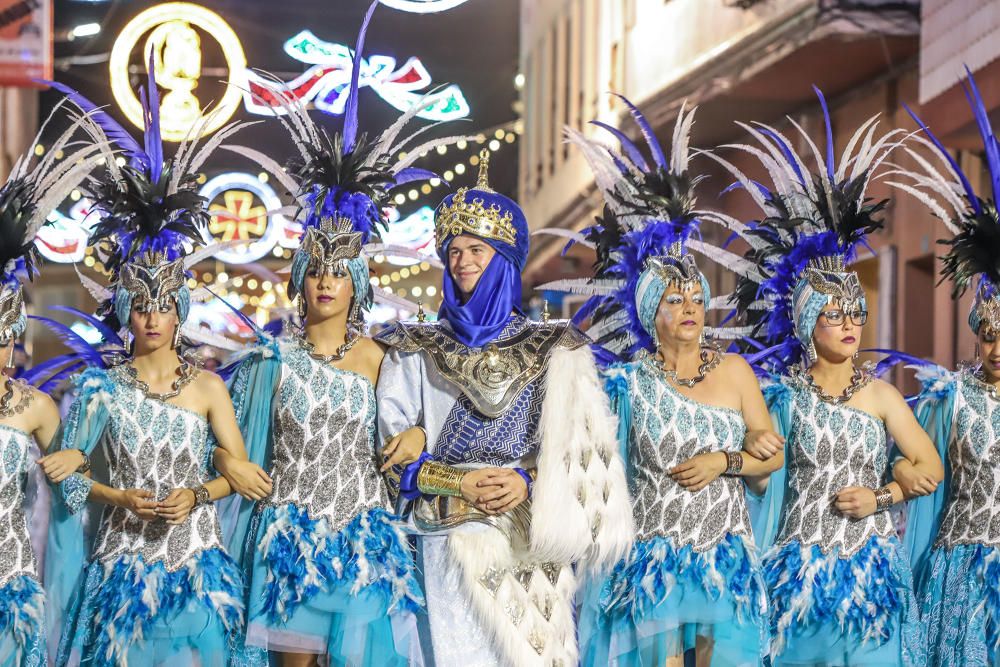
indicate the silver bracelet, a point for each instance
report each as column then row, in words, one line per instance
column 883, row 499
column 201, row 496
column 734, row 463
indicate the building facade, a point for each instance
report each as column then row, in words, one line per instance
column 756, row 60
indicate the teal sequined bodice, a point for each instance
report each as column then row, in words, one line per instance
column 153, row 445
column 831, row 447
column 324, row 440
column 667, row 429
column 16, row 555
column 972, row 513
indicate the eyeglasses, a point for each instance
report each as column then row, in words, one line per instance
column 835, row 318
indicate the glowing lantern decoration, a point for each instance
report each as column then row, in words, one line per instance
column 326, row 83
column 64, row 239
column 175, row 45
column 243, row 208
column 415, row 231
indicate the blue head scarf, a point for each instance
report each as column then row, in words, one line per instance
column 500, row 222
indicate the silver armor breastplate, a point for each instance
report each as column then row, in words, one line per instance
column 323, row 457
column 16, row 555
column 972, row 512
column 491, row 377
column 667, row 429
column 832, row 447
column 153, row 445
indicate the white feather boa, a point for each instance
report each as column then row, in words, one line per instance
column 580, row 514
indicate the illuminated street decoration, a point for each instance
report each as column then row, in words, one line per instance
column 175, row 46
column 327, row 82
column 423, row 6
column 415, row 231
column 64, row 239
column 217, row 316
column 243, row 208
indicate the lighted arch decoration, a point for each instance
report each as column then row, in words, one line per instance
column 327, row 82
column 171, row 38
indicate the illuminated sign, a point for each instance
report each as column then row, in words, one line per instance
column 175, row 46
column 327, row 82
column 242, row 206
column 64, row 239
column 423, row 6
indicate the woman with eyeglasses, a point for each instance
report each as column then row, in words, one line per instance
column 693, row 427
column 840, row 589
column 953, row 535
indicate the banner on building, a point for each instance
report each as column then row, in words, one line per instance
column 25, row 41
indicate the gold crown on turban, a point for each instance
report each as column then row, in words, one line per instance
column 462, row 216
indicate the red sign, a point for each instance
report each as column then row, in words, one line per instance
column 25, row 41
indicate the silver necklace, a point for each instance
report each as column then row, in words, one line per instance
column 862, row 375
column 185, row 373
column 349, row 341
column 708, row 364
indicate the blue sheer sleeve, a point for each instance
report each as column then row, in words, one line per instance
column 66, row 550
column 935, row 409
column 252, row 386
column 765, row 510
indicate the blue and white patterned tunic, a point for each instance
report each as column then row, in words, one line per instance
column 22, row 638
column 960, row 584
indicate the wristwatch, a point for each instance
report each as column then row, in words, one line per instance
column 85, row 466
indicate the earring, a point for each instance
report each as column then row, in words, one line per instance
column 177, row 336
column 811, row 353
column 703, row 339
column 357, row 318
column 10, row 359
column 131, row 345
column 301, row 306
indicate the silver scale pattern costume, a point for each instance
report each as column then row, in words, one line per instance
column 836, row 447
column 972, row 514
column 324, row 456
column 668, row 429
column 158, row 447
column 17, row 558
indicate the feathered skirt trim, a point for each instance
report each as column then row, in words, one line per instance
column 856, row 609
column 659, row 599
column 22, row 623
column 131, row 612
column 960, row 605
column 351, row 594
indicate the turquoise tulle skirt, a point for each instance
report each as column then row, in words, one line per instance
column 22, row 622
column 838, row 611
column 133, row 613
column 661, row 601
column 960, row 604
column 350, row 595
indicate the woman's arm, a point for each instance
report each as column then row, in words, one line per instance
column 57, row 465
column 764, row 450
column 698, row 471
column 921, row 457
column 230, row 457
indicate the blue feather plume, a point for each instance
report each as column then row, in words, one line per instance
column 351, row 112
